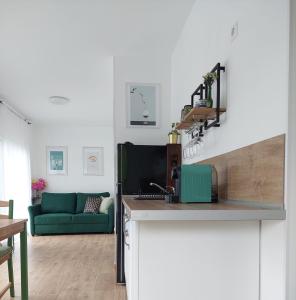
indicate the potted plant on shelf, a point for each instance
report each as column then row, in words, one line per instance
column 209, row 79
column 38, row 185
column 174, row 134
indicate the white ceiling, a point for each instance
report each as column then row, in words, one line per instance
column 65, row 47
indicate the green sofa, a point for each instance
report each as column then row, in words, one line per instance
column 63, row 213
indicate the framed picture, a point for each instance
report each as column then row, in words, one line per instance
column 57, row 160
column 142, row 104
column 93, row 161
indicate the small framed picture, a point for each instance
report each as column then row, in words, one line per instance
column 57, row 160
column 93, row 161
column 143, row 104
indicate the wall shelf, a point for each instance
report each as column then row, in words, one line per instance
column 198, row 114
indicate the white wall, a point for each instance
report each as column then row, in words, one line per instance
column 254, row 91
column 254, row 87
column 291, row 163
column 142, row 69
column 74, row 137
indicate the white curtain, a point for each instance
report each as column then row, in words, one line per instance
column 17, row 176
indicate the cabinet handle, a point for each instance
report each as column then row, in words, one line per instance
column 125, row 231
column 126, row 218
column 125, row 221
column 126, row 234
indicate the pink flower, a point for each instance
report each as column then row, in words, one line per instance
column 38, row 185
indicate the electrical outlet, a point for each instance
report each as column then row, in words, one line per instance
column 234, row 31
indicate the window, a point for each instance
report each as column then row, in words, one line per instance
column 16, row 176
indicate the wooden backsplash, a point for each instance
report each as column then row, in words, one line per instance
column 253, row 173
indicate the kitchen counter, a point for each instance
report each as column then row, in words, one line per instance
column 158, row 210
column 184, row 250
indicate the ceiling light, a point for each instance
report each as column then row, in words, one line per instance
column 59, row 100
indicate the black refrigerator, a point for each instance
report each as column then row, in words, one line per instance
column 137, row 166
column 120, row 277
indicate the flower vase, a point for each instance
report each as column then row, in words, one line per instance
column 173, row 138
column 209, row 97
column 36, row 197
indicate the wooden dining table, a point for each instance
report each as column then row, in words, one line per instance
column 8, row 228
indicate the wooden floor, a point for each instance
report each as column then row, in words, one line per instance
column 68, row 267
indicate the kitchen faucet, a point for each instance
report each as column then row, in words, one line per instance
column 168, row 193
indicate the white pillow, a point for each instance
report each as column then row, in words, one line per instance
column 106, row 203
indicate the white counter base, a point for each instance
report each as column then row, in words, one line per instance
column 192, row 260
column 195, row 251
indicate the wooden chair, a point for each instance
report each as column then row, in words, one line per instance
column 6, row 251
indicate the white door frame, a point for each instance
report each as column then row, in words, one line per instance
column 291, row 163
column 1, row 170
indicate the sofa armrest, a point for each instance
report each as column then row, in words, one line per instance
column 34, row 210
column 111, row 218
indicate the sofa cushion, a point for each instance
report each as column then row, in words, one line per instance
column 92, row 205
column 106, row 203
column 58, row 202
column 90, row 219
column 82, row 197
column 54, row 218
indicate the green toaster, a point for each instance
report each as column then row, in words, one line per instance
column 198, row 184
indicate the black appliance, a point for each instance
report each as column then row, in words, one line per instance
column 137, row 166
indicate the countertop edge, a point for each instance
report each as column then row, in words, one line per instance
column 207, row 215
column 256, row 214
